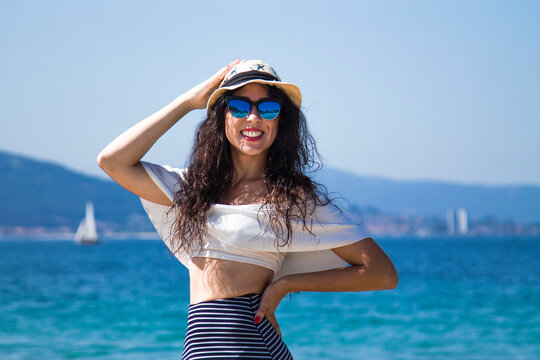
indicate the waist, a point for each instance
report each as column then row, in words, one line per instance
column 237, row 254
column 212, row 279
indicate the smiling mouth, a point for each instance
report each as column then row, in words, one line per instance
column 252, row 134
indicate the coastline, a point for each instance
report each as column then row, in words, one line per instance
column 69, row 236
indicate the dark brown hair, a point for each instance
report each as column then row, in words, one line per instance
column 291, row 194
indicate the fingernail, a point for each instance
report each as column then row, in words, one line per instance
column 257, row 319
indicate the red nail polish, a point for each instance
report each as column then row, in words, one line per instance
column 257, row 319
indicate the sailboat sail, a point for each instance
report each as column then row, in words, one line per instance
column 87, row 233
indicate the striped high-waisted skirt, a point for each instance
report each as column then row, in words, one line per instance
column 225, row 329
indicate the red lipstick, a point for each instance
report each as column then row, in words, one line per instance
column 252, row 134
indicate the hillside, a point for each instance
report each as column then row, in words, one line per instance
column 39, row 193
column 517, row 203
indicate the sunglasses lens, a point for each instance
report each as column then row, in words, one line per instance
column 239, row 108
column 269, row 110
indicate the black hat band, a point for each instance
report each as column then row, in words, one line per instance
column 249, row 75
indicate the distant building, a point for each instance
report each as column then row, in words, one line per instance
column 457, row 221
column 462, row 221
column 450, row 222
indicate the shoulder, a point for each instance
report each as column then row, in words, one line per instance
column 329, row 213
column 165, row 177
column 163, row 170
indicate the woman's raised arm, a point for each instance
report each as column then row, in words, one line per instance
column 121, row 158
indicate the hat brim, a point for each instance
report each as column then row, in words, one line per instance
column 292, row 91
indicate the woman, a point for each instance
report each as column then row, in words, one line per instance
column 245, row 220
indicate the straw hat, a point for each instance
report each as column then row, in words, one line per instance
column 255, row 71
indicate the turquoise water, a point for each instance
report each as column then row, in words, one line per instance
column 465, row 298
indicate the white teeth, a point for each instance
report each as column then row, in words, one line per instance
column 251, row 134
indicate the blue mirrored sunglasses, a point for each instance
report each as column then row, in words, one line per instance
column 240, row 107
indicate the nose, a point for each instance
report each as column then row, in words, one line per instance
column 253, row 114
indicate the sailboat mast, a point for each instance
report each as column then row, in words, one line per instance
column 87, row 233
column 91, row 233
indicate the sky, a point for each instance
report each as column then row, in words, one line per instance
column 408, row 90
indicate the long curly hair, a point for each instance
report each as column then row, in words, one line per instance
column 291, row 195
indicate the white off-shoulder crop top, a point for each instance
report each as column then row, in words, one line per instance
column 237, row 232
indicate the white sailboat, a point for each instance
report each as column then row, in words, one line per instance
column 86, row 233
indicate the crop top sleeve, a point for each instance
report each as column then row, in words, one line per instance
column 237, row 232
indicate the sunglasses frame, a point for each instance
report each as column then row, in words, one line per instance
column 254, row 103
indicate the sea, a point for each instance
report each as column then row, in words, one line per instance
column 457, row 298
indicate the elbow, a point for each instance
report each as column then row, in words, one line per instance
column 105, row 161
column 383, row 278
column 102, row 160
column 391, row 278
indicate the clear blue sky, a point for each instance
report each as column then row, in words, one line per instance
column 438, row 90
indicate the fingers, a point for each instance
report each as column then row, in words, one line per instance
column 198, row 95
column 234, row 63
column 272, row 319
column 218, row 77
column 259, row 315
column 224, row 70
column 270, row 299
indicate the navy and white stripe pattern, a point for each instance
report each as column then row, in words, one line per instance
column 224, row 329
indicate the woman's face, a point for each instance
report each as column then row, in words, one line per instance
column 251, row 135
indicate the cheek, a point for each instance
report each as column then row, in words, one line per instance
column 274, row 128
column 229, row 128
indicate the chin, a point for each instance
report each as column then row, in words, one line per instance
column 253, row 152
column 249, row 151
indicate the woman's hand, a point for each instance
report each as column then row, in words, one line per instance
column 370, row 269
column 199, row 95
column 121, row 158
column 270, row 299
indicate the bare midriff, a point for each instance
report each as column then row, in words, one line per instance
column 212, row 279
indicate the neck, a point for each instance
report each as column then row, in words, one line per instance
column 248, row 167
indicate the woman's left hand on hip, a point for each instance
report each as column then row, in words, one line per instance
column 270, row 299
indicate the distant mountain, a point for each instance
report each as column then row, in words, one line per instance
column 517, row 203
column 39, row 193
